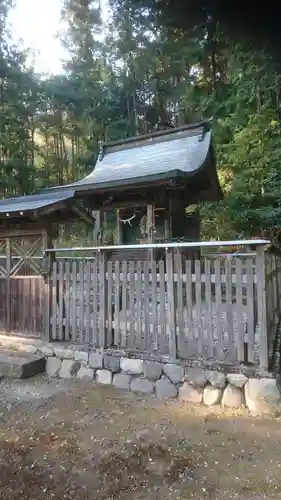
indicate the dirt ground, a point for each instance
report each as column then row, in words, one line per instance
column 67, row 440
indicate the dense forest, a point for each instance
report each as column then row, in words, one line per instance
column 126, row 77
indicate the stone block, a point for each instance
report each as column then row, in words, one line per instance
column 86, row 373
column 165, row 389
column 131, row 366
column 111, row 363
column 122, row 381
column 103, row 377
column 152, row 370
column 262, row 396
column 96, row 360
column 196, row 377
column 82, row 357
column 32, row 349
column 140, row 384
column 47, row 350
column 212, row 395
column 233, row 397
column 174, row 372
column 53, row 366
column 190, row 394
column 62, row 353
column 20, row 365
column 216, row 379
column 236, row 379
column 69, row 368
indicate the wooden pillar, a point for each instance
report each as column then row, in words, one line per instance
column 47, row 242
column 118, row 228
column 150, row 230
column 97, row 226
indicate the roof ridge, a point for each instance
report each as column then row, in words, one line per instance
column 158, row 133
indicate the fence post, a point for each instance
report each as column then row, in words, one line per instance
column 103, row 296
column 261, row 307
column 171, row 305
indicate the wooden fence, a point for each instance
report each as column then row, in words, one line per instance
column 221, row 308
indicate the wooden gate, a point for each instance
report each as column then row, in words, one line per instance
column 22, row 286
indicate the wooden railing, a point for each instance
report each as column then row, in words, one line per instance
column 222, row 308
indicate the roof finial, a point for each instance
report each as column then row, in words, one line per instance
column 101, row 151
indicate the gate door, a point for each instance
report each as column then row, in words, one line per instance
column 22, row 287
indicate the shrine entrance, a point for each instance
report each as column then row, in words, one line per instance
column 22, row 285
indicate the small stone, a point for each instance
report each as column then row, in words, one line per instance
column 196, row 377
column 232, row 397
column 174, row 372
column 122, row 381
column 82, row 357
column 62, row 353
column 86, row 373
column 190, row 394
column 69, row 368
column 152, row 370
column 32, row 349
column 96, row 360
column 165, row 389
column 131, row 366
column 262, row 396
column 111, row 363
column 47, row 350
column 142, row 385
column 53, row 366
column 216, row 379
column 103, row 377
column 212, row 395
column 236, row 379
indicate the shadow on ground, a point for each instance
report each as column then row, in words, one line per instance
column 64, row 440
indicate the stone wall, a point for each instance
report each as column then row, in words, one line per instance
column 164, row 379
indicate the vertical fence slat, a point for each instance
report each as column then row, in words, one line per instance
column 209, row 316
column 117, row 304
column 198, row 303
column 189, row 303
column 81, row 302
column 102, row 298
column 147, row 315
column 171, row 305
column 162, row 312
column 239, row 310
column 74, row 301
column 154, row 318
column 229, row 309
column 139, row 299
column 218, row 305
column 250, row 309
column 109, row 304
column 179, row 301
column 135, row 340
column 87, row 299
column 124, row 303
column 95, row 307
column 60, row 297
column 261, row 298
column 54, row 305
column 67, row 300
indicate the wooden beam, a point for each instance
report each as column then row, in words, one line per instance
column 49, row 210
column 83, row 214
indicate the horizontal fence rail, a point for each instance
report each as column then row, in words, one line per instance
column 212, row 308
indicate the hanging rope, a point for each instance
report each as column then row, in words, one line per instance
column 129, row 220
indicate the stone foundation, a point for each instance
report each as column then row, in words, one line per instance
column 164, row 379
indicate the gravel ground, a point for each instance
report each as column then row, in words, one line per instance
column 64, row 440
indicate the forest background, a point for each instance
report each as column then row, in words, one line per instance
column 125, row 77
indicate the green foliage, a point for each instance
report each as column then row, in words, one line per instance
column 127, row 82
